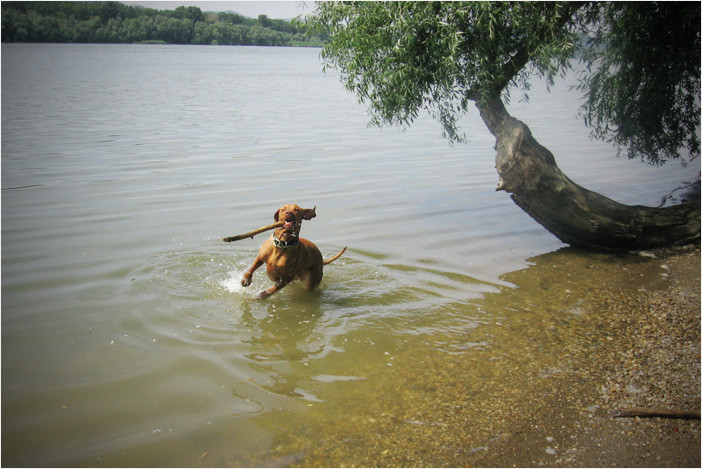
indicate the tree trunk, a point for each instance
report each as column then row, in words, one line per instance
column 575, row 215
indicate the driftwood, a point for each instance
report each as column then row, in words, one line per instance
column 253, row 233
column 662, row 413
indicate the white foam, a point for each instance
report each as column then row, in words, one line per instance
column 233, row 283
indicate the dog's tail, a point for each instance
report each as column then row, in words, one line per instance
column 329, row 261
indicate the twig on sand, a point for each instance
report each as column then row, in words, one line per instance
column 662, row 413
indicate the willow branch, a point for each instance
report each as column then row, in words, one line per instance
column 523, row 55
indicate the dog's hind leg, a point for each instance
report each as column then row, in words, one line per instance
column 312, row 277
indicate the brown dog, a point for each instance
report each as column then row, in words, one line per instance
column 287, row 256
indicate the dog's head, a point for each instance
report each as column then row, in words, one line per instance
column 292, row 215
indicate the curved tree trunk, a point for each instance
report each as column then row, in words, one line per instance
column 577, row 216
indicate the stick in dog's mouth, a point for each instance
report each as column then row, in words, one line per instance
column 253, row 233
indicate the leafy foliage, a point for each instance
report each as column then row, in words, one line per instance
column 113, row 22
column 644, row 91
column 402, row 57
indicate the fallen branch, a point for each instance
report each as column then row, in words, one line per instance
column 253, row 233
column 662, row 413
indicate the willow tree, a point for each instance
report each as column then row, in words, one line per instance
column 640, row 79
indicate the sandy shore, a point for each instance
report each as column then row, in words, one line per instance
column 657, row 367
column 649, row 316
column 579, row 337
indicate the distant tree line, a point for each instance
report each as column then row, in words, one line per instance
column 114, row 22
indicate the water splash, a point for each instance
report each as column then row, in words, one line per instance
column 233, row 283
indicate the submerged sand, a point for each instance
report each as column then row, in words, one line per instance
column 649, row 316
column 581, row 337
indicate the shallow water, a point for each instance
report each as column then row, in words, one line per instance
column 126, row 337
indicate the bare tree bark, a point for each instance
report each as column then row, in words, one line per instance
column 575, row 215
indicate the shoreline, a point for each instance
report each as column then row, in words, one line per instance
column 658, row 368
column 580, row 336
column 649, row 319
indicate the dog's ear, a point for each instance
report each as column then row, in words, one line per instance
column 275, row 215
column 309, row 213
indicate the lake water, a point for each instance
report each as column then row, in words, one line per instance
column 126, row 336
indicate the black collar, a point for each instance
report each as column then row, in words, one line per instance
column 285, row 244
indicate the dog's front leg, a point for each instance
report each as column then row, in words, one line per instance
column 246, row 281
column 266, row 293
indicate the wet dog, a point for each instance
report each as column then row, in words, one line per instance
column 287, row 256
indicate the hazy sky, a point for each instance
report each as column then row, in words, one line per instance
column 275, row 10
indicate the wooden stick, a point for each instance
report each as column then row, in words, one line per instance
column 663, row 413
column 253, row 233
